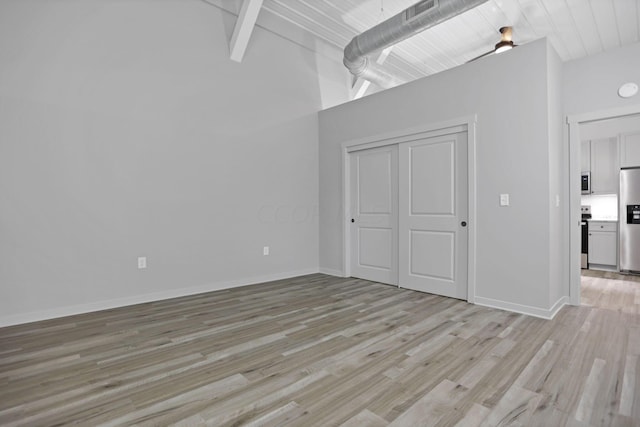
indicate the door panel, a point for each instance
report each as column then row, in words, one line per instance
column 374, row 183
column 430, row 164
column 374, row 207
column 370, row 241
column 432, row 254
column 432, row 205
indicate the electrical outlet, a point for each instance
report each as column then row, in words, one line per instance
column 504, row 200
column 265, row 251
column 142, row 262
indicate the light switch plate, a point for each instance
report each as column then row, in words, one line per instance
column 504, row 200
column 142, row 262
column 265, row 251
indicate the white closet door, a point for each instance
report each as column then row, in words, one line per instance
column 374, row 210
column 432, row 215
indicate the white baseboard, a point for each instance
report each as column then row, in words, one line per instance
column 603, row 267
column 34, row 316
column 524, row 309
column 331, row 272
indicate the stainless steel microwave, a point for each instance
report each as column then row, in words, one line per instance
column 586, row 182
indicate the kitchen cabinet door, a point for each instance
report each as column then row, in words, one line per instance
column 603, row 248
column 630, row 150
column 585, row 156
column 604, row 166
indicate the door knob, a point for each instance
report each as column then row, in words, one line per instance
column 463, row 223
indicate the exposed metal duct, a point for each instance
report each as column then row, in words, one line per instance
column 409, row 22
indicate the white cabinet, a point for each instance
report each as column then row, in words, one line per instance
column 585, row 156
column 630, row 150
column 604, row 166
column 603, row 243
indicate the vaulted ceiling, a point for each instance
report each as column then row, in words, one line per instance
column 575, row 28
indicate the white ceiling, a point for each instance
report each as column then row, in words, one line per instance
column 575, row 28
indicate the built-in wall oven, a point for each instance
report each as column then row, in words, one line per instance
column 584, row 224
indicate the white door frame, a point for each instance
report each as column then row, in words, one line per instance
column 574, row 121
column 461, row 124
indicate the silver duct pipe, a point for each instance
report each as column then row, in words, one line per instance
column 409, row 22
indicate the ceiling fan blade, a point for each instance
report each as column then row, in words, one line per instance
column 481, row 56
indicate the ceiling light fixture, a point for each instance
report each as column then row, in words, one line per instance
column 628, row 90
column 506, row 41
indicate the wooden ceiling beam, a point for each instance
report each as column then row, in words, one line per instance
column 243, row 29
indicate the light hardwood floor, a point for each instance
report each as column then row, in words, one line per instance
column 320, row 351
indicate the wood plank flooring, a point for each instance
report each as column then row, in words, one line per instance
column 324, row 351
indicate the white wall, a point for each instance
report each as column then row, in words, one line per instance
column 509, row 94
column 591, row 83
column 126, row 131
column 558, row 184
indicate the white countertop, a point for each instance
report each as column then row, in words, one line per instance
column 608, row 219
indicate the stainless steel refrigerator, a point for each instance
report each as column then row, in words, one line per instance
column 630, row 220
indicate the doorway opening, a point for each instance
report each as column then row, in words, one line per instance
column 580, row 127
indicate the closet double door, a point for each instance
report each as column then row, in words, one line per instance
column 409, row 214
